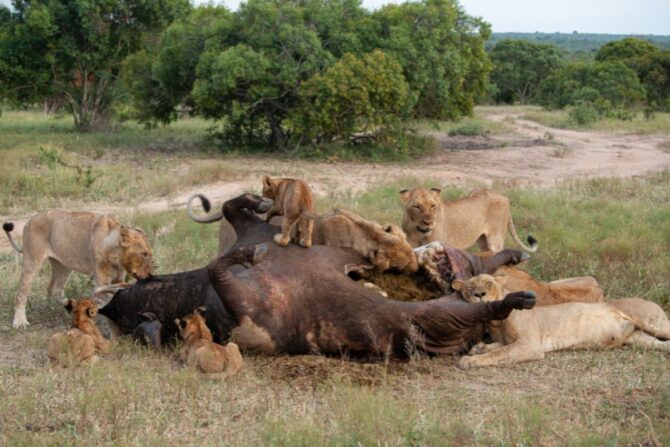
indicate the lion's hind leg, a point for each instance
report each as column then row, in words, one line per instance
column 644, row 340
column 59, row 276
column 284, row 237
column 305, row 228
column 33, row 259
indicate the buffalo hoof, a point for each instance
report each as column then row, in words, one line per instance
column 521, row 300
column 259, row 252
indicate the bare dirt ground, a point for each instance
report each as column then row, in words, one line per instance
column 531, row 155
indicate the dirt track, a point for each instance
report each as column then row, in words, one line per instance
column 532, row 155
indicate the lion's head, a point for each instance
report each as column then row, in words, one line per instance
column 480, row 288
column 83, row 311
column 136, row 258
column 193, row 326
column 270, row 186
column 394, row 252
column 421, row 206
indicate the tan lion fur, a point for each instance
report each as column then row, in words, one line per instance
column 582, row 289
column 80, row 344
column 528, row 335
column 89, row 243
column 483, row 217
column 292, row 199
column 386, row 247
column 201, row 353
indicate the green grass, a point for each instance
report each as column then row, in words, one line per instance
column 658, row 124
column 470, row 126
column 615, row 229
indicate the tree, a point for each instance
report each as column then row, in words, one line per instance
column 72, row 50
column 654, row 73
column 625, row 50
column 367, row 95
column 519, row 67
column 605, row 85
column 441, row 50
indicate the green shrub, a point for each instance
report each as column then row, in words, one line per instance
column 583, row 114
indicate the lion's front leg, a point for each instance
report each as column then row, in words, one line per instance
column 503, row 355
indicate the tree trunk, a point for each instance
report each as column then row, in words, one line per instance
column 89, row 103
column 277, row 134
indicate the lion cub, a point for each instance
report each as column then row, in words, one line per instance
column 292, row 199
column 201, row 352
column 83, row 341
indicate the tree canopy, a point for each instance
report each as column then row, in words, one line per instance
column 248, row 68
column 72, row 50
column 519, row 67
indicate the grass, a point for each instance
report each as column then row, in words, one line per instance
column 658, row 124
column 469, row 126
column 615, row 229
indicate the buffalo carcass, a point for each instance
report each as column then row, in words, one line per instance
column 298, row 301
column 317, row 274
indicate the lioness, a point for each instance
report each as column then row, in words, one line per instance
column 529, row 335
column 582, row 288
column 386, row 247
column 89, row 243
column 83, row 341
column 202, row 353
column 483, row 217
column 292, row 199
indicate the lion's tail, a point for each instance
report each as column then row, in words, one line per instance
column 8, row 227
column 531, row 240
column 206, row 205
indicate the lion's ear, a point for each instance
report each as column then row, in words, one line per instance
column 404, row 194
column 92, row 312
column 200, row 310
column 267, row 181
column 458, row 285
column 436, row 192
column 69, row 305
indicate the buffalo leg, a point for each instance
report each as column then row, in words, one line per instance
column 232, row 292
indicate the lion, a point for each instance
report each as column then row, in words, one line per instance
column 386, row 247
column 292, row 199
column 483, row 217
column 530, row 334
column 89, row 243
column 202, row 353
column 81, row 344
column 582, row 288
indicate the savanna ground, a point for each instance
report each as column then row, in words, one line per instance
column 597, row 199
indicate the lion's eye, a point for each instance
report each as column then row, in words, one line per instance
column 416, row 207
column 433, row 206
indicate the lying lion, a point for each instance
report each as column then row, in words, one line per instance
column 530, row 334
column 386, row 247
column 89, row 243
column 483, row 217
column 81, row 344
column 583, row 289
column 202, row 353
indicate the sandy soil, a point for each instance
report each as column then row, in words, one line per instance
column 532, row 155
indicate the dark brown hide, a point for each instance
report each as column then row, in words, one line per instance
column 300, row 301
column 169, row 297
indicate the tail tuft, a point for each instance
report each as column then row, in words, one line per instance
column 532, row 241
column 8, row 226
column 206, row 205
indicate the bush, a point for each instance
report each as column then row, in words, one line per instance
column 583, row 114
column 468, row 128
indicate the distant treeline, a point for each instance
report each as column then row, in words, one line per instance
column 579, row 45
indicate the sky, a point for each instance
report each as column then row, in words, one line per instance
column 549, row 16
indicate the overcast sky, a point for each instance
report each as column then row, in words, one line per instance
column 565, row 16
